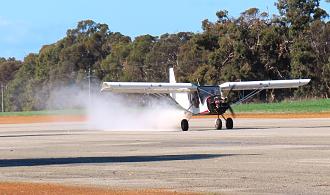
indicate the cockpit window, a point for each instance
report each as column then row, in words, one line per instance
column 207, row 91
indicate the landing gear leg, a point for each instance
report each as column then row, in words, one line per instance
column 218, row 123
column 184, row 125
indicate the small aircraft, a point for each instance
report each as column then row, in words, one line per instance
column 201, row 100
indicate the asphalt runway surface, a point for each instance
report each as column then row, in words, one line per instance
column 265, row 156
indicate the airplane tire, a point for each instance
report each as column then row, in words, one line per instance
column 229, row 123
column 184, row 125
column 218, row 124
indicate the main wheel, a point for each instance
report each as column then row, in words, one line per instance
column 218, row 124
column 184, row 125
column 229, row 123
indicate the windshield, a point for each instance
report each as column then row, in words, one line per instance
column 207, row 91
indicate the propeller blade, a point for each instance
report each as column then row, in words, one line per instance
column 230, row 90
column 231, row 111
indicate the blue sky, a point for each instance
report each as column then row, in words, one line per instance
column 27, row 25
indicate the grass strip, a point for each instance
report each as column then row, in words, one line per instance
column 303, row 106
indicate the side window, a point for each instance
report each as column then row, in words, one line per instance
column 194, row 99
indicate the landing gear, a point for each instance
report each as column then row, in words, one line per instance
column 184, row 125
column 218, row 124
column 229, row 123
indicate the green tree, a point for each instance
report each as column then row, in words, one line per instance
column 164, row 54
column 8, row 69
column 113, row 65
column 136, row 68
column 21, row 92
column 299, row 13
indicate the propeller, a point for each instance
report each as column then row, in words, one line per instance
column 229, row 102
column 230, row 90
column 231, row 111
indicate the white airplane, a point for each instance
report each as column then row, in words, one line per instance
column 201, row 100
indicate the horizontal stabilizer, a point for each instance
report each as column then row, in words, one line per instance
column 142, row 87
column 274, row 84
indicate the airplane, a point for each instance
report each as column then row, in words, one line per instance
column 198, row 99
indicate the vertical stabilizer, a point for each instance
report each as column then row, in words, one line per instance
column 172, row 80
column 172, row 76
column 181, row 98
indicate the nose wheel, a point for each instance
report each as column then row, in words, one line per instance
column 218, row 124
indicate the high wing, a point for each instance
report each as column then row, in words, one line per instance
column 147, row 88
column 273, row 84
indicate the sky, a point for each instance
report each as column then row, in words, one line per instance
column 25, row 26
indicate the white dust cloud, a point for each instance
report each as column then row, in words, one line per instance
column 107, row 111
column 110, row 112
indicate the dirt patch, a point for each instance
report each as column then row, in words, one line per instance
column 56, row 189
column 40, row 119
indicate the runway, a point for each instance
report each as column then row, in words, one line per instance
column 259, row 156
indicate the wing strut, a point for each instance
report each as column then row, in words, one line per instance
column 250, row 95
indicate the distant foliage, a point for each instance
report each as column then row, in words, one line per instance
column 253, row 46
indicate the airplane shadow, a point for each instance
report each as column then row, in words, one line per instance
column 110, row 159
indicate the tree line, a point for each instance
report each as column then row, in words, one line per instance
column 253, row 46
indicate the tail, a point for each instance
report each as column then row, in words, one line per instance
column 181, row 98
column 172, row 80
column 172, row 76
